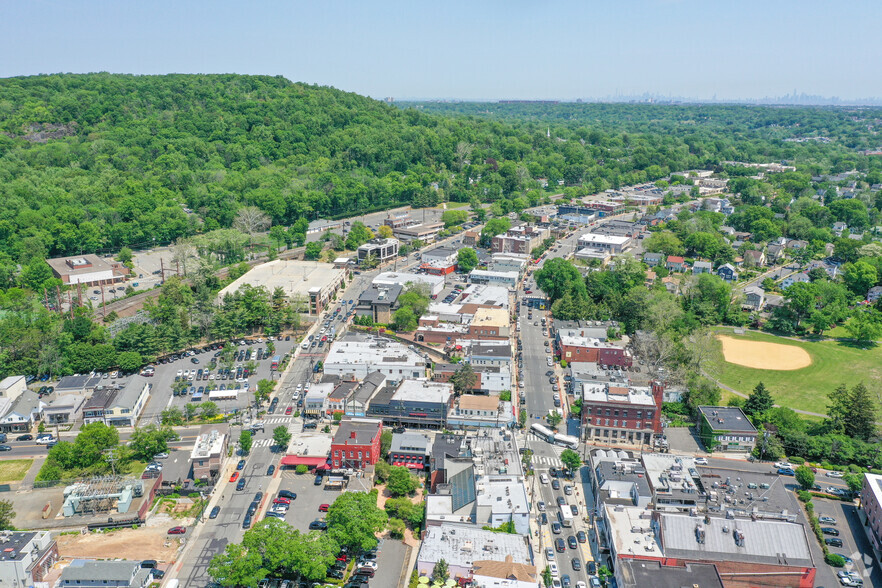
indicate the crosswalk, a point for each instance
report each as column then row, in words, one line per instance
column 548, row 461
column 277, row 420
column 261, row 443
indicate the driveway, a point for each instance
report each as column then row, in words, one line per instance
column 683, row 440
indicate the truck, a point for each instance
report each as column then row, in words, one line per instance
column 276, row 360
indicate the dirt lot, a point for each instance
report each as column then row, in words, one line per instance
column 764, row 356
column 143, row 543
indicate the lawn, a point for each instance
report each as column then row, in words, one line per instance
column 14, row 470
column 833, row 363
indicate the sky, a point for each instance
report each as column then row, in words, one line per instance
column 468, row 50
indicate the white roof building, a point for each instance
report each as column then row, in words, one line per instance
column 360, row 356
column 434, row 283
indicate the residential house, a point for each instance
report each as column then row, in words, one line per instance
column 653, row 259
column 727, row 230
column 800, row 278
column 82, row 573
column 356, row 443
column 471, row 238
column 671, row 284
column 873, row 294
column 358, row 399
column 774, row 253
column 702, row 267
column 675, row 263
column 650, row 278
column 727, row 272
column 754, row 297
column 839, row 227
column 797, row 244
column 757, row 258
column 26, row 557
column 23, row 413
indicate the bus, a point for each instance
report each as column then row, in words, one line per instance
column 566, row 440
column 543, row 432
column 275, row 364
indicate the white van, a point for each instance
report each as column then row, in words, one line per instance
column 304, row 345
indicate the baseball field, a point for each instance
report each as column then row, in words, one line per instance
column 799, row 373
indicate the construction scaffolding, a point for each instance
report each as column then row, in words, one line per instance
column 101, row 494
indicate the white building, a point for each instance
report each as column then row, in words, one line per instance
column 26, row 557
column 611, row 243
column 12, row 387
column 360, row 356
column 493, row 278
column 435, row 284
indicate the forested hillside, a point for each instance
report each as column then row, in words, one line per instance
column 92, row 163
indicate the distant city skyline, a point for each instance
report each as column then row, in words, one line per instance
column 683, row 50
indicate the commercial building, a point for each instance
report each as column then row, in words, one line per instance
column 618, row 478
column 207, row 457
column 521, row 240
column 300, row 280
column 83, row 573
column 357, row 355
column 427, row 233
column 614, row 413
column 440, row 261
column 415, row 403
column 83, row 385
column 490, row 321
column 435, row 284
column 579, row 348
column 315, row 400
column 26, row 557
column 591, row 329
column 11, row 387
column 356, row 443
column 508, row 279
column 871, row 502
column 639, row 573
column 357, row 400
column 88, row 270
column 411, row 450
column 126, row 405
column 380, row 249
column 379, row 302
column 576, row 214
column 63, row 409
column 470, row 410
column 612, row 243
column 464, row 546
column 726, row 428
column 675, row 482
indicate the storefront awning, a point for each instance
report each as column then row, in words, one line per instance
column 413, row 466
column 296, row 460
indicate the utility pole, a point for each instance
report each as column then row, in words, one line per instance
column 103, row 303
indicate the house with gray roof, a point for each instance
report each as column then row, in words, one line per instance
column 726, row 428
column 754, row 297
column 702, row 267
column 356, row 402
column 22, row 414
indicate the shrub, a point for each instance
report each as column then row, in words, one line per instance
column 835, row 560
column 301, row 469
column 804, row 496
column 797, row 460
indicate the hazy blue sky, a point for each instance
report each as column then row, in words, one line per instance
column 467, row 49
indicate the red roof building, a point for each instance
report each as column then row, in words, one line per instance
column 356, row 443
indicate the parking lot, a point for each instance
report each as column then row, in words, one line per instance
column 855, row 544
column 305, row 508
column 161, row 395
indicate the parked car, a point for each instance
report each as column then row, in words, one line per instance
column 318, row 526
column 287, row 494
column 833, row 541
column 827, row 520
column 214, row 512
column 324, row 507
column 240, row 485
column 830, row 531
column 234, row 477
column 177, row 530
column 26, row 437
column 240, row 465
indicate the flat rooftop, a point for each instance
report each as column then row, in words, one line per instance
column 620, row 393
column 462, row 545
column 604, row 239
column 294, row 277
column 727, row 418
column 423, row 391
column 630, row 531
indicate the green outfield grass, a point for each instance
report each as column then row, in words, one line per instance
column 833, row 363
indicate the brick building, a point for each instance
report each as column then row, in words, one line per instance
column 613, row 413
column 356, row 443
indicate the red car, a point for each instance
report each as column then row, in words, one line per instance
column 289, row 410
column 234, row 477
column 177, row 530
column 323, row 507
column 282, row 501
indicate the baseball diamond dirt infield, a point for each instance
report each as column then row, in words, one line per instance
column 764, row 356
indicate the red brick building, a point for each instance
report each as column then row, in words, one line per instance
column 618, row 413
column 356, row 443
column 573, row 349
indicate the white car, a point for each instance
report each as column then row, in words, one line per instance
column 701, row 461
column 785, row 465
column 549, row 361
column 45, row 440
column 543, row 478
column 180, row 373
column 835, row 474
column 553, row 568
column 367, row 563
